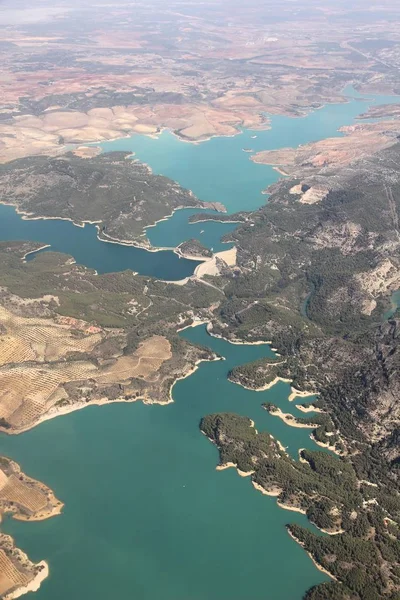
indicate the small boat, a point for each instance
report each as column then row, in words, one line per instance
column 202, row 231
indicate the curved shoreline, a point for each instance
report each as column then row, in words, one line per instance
column 239, row 129
column 34, row 251
column 33, row 585
column 104, row 237
column 295, row 393
column 290, row 420
column 319, row 567
column 265, row 387
column 235, row 342
column 230, row 465
column 65, row 410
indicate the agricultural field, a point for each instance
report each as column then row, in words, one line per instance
column 53, row 364
column 10, row 576
column 26, row 391
column 18, row 492
column 41, row 340
column 25, row 498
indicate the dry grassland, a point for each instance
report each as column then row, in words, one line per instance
column 28, row 134
column 144, row 363
column 359, row 141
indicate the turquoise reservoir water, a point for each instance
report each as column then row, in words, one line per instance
column 395, row 305
column 82, row 243
column 219, row 170
column 147, row 516
column 216, row 170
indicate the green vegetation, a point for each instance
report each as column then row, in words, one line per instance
column 237, row 217
column 103, row 98
column 356, row 561
column 256, row 374
column 122, row 195
column 313, row 281
column 318, row 484
column 138, row 304
column 327, row 489
column 193, row 247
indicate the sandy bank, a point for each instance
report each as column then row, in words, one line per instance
column 292, row 508
column 272, row 492
column 290, row 419
column 319, row 567
column 57, row 411
column 267, row 386
column 236, row 342
column 188, row 374
column 308, row 409
column 295, row 393
column 230, row 465
column 104, row 237
column 275, row 492
column 217, row 220
column 228, row 256
column 33, row 585
column 224, row 466
column 210, row 265
column 328, row 446
column 196, row 323
column 34, row 251
column 42, row 516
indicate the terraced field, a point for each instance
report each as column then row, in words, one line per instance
column 10, row 576
column 20, row 493
column 40, row 339
column 41, row 369
column 26, row 391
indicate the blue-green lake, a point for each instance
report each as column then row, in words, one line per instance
column 83, row 244
column 215, row 170
column 146, row 515
column 219, row 170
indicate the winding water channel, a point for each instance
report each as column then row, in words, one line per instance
column 146, row 515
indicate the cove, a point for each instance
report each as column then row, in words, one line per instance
column 146, row 515
column 83, row 244
column 395, row 305
column 219, row 170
